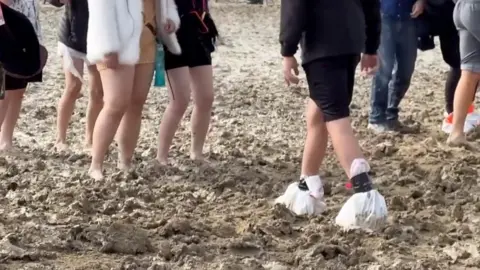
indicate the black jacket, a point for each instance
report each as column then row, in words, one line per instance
column 436, row 20
column 329, row 27
column 20, row 50
column 74, row 25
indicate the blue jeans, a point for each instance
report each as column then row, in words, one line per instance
column 397, row 55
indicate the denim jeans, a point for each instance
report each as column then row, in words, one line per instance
column 397, row 55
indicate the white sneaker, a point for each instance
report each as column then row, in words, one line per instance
column 378, row 128
column 470, row 123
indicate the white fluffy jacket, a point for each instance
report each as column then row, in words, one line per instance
column 115, row 26
column 167, row 10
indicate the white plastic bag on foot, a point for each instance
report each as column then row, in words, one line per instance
column 365, row 210
column 304, row 202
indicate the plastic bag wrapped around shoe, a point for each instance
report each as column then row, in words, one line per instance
column 304, row 197
column 366, row 209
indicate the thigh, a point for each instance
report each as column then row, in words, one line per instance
column 351, row 68
column 386, row 50
column 73, row 72
column 450, row 47
column 12, row 83
column 142, row 82
column 72, row 66
column 406, row 50
column 467, row 20
column 202, row 82
column 469, row 51
column 329, row 85
column 173, row 61
column 198, row 55
column 178, row 82
column 117, row 85
column 94, row 78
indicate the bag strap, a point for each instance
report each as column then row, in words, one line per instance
column 204, row 5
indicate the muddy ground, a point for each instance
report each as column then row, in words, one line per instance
column 220, row 216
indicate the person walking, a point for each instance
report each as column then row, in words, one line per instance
column 322, row 28
column 466, row 17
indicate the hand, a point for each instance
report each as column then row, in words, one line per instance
column 290, row 70
column 368, row 64
column 417, row 8
column 169, row 27
column 111, row 60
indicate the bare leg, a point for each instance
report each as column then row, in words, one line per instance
column 129, row 130
column 3, row 110
column 179, row 84
column 344, row 142
column 95, row 103
column 463, row 98
column 117, row 87
column 316, row 141
column 14, row 98
column 202, row 89
column 66, row 105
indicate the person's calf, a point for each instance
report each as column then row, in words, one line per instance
column 315, row 142
column 201, row 117
column 344, row 142
column 66, row 106
column 465, row 90
column 14, row 98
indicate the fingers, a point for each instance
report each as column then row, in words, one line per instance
column 295, row 70
column 290, row 78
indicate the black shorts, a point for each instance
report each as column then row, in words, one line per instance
column 195, row 50
column 330, row 82
column 12, row 83
column 193, row 55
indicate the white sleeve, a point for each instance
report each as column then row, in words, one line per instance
column 172, row 13
column 103, row 33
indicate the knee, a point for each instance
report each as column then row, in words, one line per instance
column 136, row 104
column 471, row 75
column 315, row 118
column 204, row 101
column 180, row 103
column 334, row 110
column 96, row 91
column 384, row 74
column 72, row 89
column 96, row 96
column 116, row 108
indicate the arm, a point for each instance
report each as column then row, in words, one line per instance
column 103, row 34
column 292, row 24
column 371, row 9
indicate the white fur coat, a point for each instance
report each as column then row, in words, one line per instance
column 167, row 10
column 115, row 26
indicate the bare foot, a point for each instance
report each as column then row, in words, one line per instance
column 61, row 146
column 197, row 157
column 96, row 173
column 87, row 146
column 124, row 166
column 459, row 141
column 162, row 161
column 5, row 147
